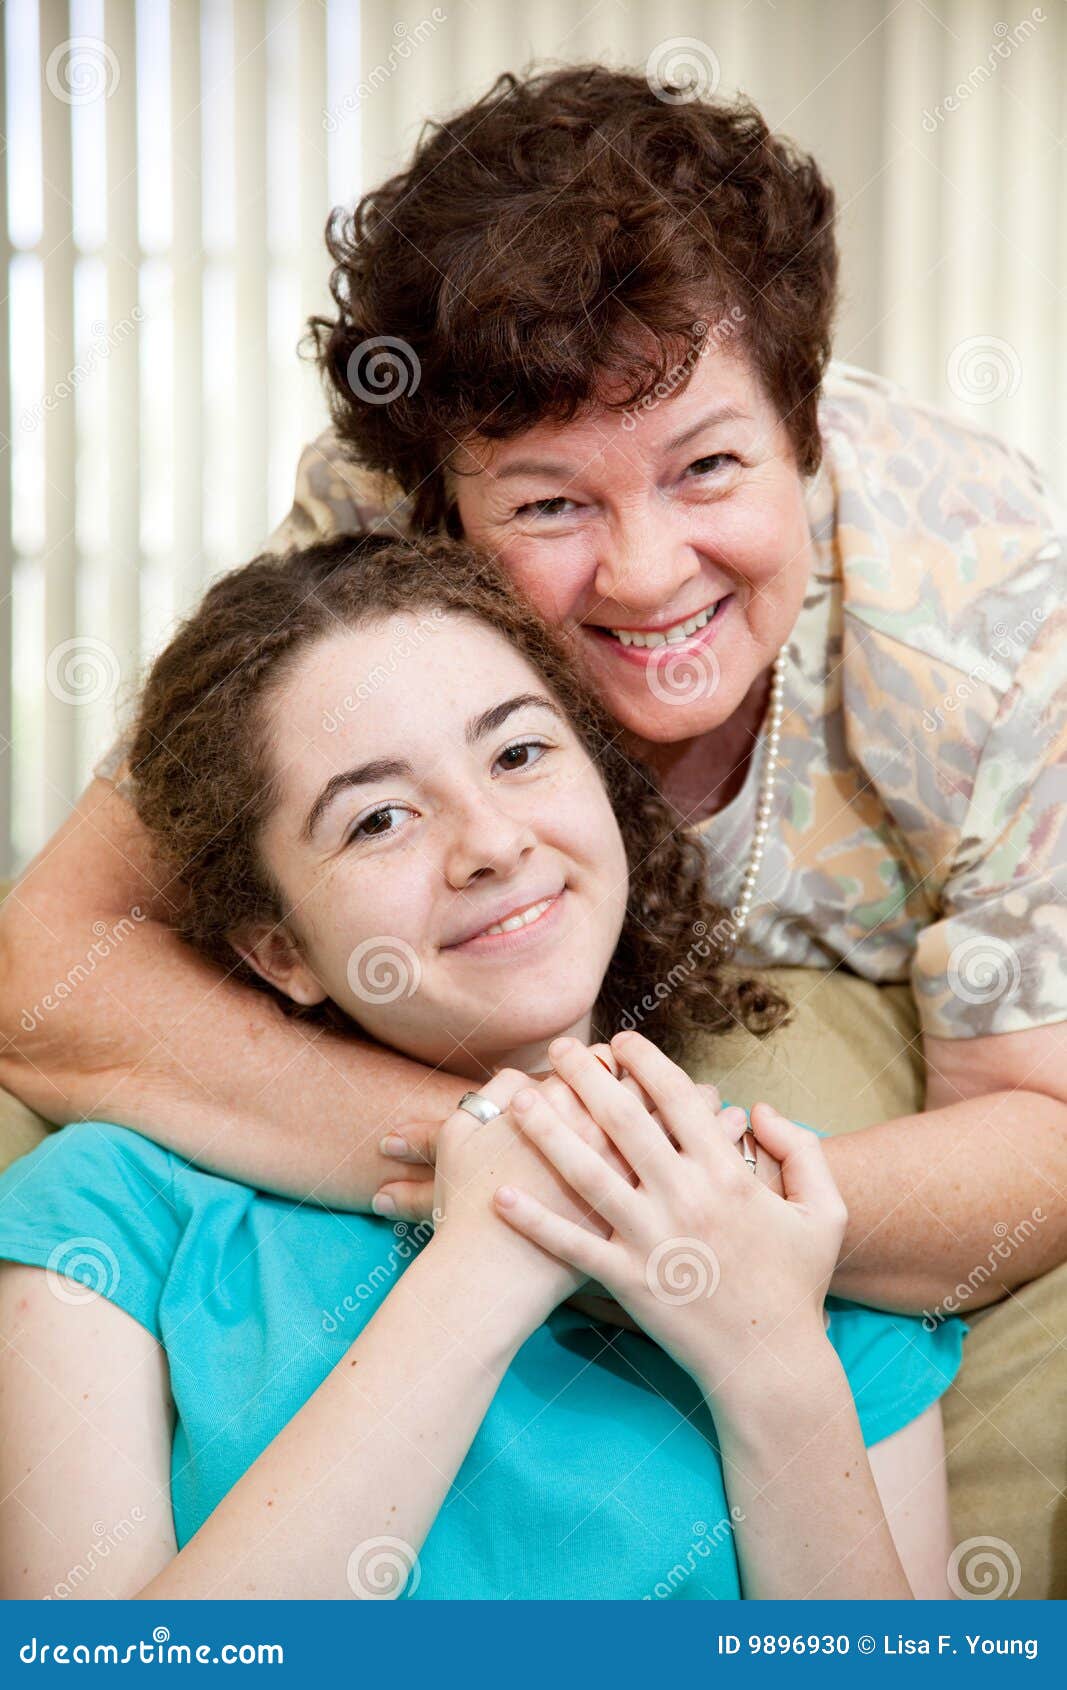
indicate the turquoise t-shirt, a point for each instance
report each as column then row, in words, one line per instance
column 595, row 1472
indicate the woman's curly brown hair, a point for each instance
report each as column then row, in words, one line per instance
column 204, row 783
column 568, row 227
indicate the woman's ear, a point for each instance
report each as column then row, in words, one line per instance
column 271, row 950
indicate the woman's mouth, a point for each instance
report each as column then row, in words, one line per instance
column 645, row 646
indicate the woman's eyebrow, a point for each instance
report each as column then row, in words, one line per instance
column 392, row 768
column 718, row 414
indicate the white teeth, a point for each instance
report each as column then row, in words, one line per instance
column 522, row 920
column 665, row 636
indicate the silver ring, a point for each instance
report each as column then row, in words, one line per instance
column 482, row 1108
column 749, row 1154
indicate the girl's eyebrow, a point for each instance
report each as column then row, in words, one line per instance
column 393, row 768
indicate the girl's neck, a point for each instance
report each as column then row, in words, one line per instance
column 529, row 1058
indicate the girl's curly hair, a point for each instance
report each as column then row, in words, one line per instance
column 203, row 782
column 570, row 225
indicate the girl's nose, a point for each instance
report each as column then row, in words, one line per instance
column 485, row 840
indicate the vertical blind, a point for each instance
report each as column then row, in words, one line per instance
column 169, row 170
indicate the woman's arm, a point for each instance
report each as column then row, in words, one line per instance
column 105, row 1014
column 951, row 1209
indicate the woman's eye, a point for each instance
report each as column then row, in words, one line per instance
column 544, row 507
column 708, row 465
column 377, row 823
column 521, row 756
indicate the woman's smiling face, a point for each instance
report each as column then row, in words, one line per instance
column 442, row 842
column 683, row 524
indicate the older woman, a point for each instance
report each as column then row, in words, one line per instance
column 589, row 329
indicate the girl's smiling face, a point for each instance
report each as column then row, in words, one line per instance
column 451, row 870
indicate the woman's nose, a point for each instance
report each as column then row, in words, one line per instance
column 643, row 564
column 485, row 840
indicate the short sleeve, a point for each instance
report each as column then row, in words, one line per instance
column 995, row 960
column 94, row 1206
column 334, row 496
column 897, row 1365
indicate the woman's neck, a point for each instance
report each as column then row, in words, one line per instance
column 699, row 777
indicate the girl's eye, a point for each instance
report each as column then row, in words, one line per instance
column 544, row 507
column 521, row 755
column 376, row 824
column 716, row 460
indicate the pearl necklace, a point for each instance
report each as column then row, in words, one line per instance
column 775, row 711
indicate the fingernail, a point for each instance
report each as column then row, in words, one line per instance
column 523, row 1100
column 561, row 1047
column 382, row 1205
column 505, row 1196
column 393, row 1145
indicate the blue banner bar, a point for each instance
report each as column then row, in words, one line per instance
column 548, row 1645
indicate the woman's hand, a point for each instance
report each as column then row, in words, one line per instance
column 472, row 1160
column 713, row 1265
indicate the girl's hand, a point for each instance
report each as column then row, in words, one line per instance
column 472, row 1161
column 711, row 1263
